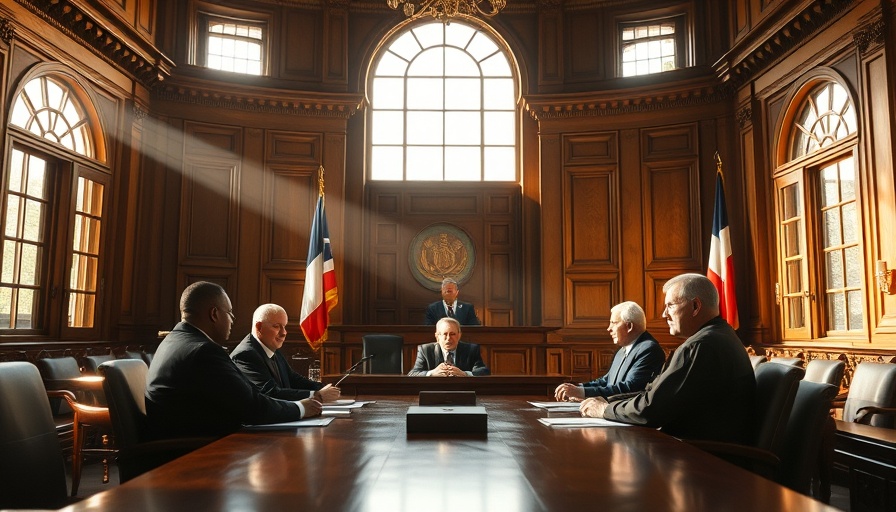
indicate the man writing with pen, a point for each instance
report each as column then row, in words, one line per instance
column 258, row 356
column 635, row 364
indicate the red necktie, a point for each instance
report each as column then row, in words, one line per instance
column 450, row 311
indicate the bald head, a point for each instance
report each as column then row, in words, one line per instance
column 206, row 306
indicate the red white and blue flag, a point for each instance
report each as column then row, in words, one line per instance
column 320, row 281
column 721, row 260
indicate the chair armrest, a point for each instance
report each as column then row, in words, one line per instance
column 762, row 462
column 865, row 414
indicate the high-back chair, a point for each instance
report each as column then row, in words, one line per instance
column 32, row 474
column 756, row 360
column 92, row 363
column 802, row 447
column 388, row 351
column 872, row 395
column 792, row 361
column 125, row 384
column 827, row 371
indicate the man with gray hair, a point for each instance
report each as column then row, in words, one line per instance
column 258, row 356
column 450, row 307
column 636, row 363
column 707, row 390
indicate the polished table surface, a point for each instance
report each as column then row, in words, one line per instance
column 369, row 463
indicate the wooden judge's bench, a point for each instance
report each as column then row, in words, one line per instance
column 505, row 350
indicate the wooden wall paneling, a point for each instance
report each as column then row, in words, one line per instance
column 555, row 361
column 552, row 255
column 583, row 363
column 591, row 231
column 335, row 59
column 672, row 226
column 550, row 44
column 879, row 186
column 583, row 32
column 740, row 20
column 130, row 186
column 301, row 46
column 589, row 298
column 511, row 360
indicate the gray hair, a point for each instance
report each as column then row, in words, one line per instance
column 266, row 311
column 449, row 320
column 631, row 313
column 694, row 286
column 449, row 280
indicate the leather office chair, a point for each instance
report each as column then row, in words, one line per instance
column 776, row 388
column 804, row 445
column 89, row 412
column 388, row 351
column 792, row 361
column 872, row 395
column 91, row 363
column 125, row 384
column 825, row 371
column 757, row 360
column 32, row 474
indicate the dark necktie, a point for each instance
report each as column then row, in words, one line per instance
column 275, row 369
column 450, row 358
column 615, row 376
column 450, row 310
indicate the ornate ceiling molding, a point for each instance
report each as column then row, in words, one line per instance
column 132, row 54
column 741, row 65
column 7, row 30
column 870, row 36
column 257, row 99
column 624, row 101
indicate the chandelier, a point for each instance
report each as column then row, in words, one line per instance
column 446, row 9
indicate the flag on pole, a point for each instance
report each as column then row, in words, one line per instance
column 320, row 278
column 721, row 261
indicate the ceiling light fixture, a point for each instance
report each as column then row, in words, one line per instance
column 444, row 10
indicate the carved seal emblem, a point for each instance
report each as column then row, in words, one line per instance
column 440, row 251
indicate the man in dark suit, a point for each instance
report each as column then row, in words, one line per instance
column 258, row 356
column 448, row 356
column 193, row 389
column 707, row 390
column 449, row 306
column 635, row 364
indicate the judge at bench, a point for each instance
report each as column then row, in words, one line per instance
column 449, row 306
column 635, row 364
column 258, row 356
column 448, row 356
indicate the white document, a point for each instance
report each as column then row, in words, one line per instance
column 309, row 422
column 335, row 411
column 558, row 406
column 581, row 422
column 344, row 407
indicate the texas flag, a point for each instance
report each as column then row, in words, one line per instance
column 721, row 261
column 320, row 281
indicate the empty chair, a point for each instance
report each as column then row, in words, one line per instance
column 91, row 363
column 89, row 412
column 59, row 368
column 792, row 361
column 756, row 360
column 803, row 448
column 125, row 384
column 387, row 349
column 872, row 395
column 826, row 371
column 32, row 474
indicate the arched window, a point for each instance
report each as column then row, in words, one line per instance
column 819, row 245
column 443, row 106
column 53, row 213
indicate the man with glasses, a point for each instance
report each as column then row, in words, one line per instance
column 639, row 359
column 193, row 389
column 258, row 356
column 707, row 390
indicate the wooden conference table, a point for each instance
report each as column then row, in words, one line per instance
column 369, row 463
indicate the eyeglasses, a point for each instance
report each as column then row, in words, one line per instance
column 671, row 306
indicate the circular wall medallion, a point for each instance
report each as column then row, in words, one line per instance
column 440, row 251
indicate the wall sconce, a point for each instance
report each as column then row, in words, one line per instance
column 883, row 276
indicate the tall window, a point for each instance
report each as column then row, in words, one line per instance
column 819, row 229
column 443, row 107
column 232, row 45
column 53, row 215
column 651, row 46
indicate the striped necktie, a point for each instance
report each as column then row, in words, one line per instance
column 450, row 310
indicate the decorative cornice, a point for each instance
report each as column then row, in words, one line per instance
column 871, row 36
column 623, row 101
column 744, row 116
column 254, row 99
column 90, row 29
column 737, row 70
column 7, row 30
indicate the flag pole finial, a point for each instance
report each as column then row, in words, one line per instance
column 320, row 180
column 718, row 160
